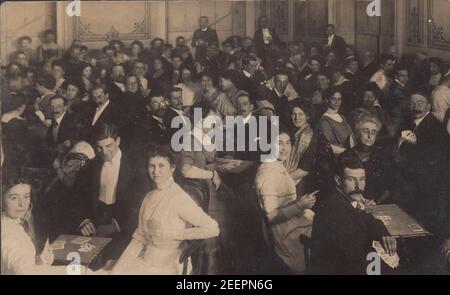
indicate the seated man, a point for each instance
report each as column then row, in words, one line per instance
column 107, row 198
column 343, row 233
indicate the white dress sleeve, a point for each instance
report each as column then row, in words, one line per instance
column 204, row 227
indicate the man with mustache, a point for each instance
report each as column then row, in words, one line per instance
column 343, row 233
column 423, row 154
column 63, row 128
column 117, row 85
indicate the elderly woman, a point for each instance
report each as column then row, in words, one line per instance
column 302, row 159
column 380, row 174
column 18, row 249
column 334, row 126
column 287, row 215
column 168, row 217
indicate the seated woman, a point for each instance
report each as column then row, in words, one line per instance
column 380, row 173
column 288, row 216
column 168, row 216
column 334, row 126
column 213, row 95
column 18, row 249
column 302, row 160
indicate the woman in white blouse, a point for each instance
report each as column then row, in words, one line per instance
column 18, row 250
column 288, row 216
column 168, row 216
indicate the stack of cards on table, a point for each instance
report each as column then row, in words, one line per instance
column 88, row 248
column 393, row 261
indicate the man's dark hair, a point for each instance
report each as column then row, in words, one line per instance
column 57, row 97
column 100, row 86
column 105, row 131
column 172, row 90
column 138, row 43
column 281, row 73
column 46, row 80
column 331, row 26
column 347, row 162
column 58, row 63
column 230, row 75
column 48, row 32
column 385, row 58
column 247, row 59
column 163, row 151
column 373, row 87
column 84, row 48
column 444, row 80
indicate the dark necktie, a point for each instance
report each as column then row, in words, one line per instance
column 140, row 83
column 55, row 130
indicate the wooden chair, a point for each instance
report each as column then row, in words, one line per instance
column 192, row 248
column 307, row 244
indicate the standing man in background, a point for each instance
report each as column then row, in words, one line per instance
column 203, row 37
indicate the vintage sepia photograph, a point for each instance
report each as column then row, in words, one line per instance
column 225, row 137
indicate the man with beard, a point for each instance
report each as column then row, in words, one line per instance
column 422, row 160
column 63, row 128
column 151, row 128
column 383, row 76
column 174, row 110
column 117, row 84
column 368, row 68
column 342, row 232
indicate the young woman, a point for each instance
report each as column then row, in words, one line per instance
column 18, row 250
column 288, row 215
column 334, row 126
column 168, row 217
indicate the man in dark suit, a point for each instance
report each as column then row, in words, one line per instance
column 174, row 110
column 335, row 43
column 367, row 70
column 116, row 85
column 250, row 77
column 422, row 161
column 203, row 37
column 103, row 111
column 63, row 128
column 108, row 193
column 265, row 37
column 342, row 232
column 151, row 128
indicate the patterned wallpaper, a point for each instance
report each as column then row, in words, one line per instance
column 116, row 22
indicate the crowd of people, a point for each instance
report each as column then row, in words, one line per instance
column 87, row 150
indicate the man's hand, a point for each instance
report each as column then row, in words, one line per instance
column 446, row 250
column 389, row 244
column 88, row 229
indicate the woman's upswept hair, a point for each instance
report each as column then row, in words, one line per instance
column 164, row 151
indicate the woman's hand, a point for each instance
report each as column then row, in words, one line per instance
column 307, row 201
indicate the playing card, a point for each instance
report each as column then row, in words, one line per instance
column 80, row 240
column 392, row 261
column 415, row 227
column 86, row 247
column 385, row 219
column 57, row 245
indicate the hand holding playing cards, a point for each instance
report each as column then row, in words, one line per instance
column 307, row 201
column 408, row 136
column 389, row 245
column 88, row 229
